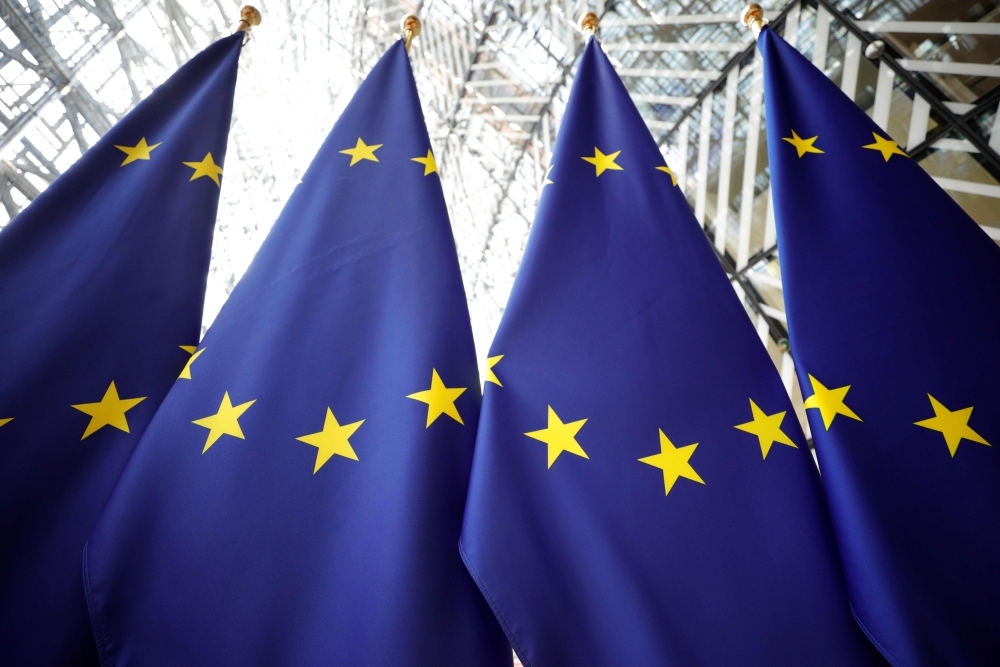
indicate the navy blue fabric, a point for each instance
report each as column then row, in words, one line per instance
column 241, row 555
column 622, row 315
column 892, row 289
column 102, row 278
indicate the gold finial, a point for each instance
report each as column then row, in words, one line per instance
column 411, row 28
column 752, row 16
column 249, row 17
column 588, row 23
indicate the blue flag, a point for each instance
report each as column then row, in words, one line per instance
column 102, row 280
column 893, row 301
column 641, row 492
column 299, row 500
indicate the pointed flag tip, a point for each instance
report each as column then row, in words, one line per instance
column 589, row 24
column 752, row 17
column 249, row 18
column 410, row 25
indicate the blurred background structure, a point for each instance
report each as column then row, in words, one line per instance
column 494, row 77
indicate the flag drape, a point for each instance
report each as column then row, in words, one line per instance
column 641, row 491
column 298, row 501
column 892, row 295
column 102, row 280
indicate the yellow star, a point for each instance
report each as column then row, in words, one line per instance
column 224, row 422
column 440, row 399
column 954, row 426
column 110, row 411
column 333, row 439
column 490, row 375
column 560, row 437
column 430, row 164
column 666, row 170
column 767, row 428
column 6, row 420
column 886, row 147
column 547, row 181
column 363, row 151
column 140, row 151
column 186, row 371
column 803, row 146
column 829, row 402
column 206, row 167
column 674, row 462
column 603, row 162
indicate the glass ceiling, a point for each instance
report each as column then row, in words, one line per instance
column 494, row 78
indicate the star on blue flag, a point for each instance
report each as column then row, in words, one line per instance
column 893, row 302
column 641, row 492
column 102, row 280
column 298, row 501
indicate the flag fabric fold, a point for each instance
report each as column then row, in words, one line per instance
column 102, row 280
column 892, row 294
column 641, row 492
column 298, row 501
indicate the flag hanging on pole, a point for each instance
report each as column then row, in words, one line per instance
column 299, row 500
column 102, row 280
column 641, row 491
column 892, row 295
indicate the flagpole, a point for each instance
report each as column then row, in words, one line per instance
column 589, row 24
column 752, row 16
column 411, row 28
column 249, row 17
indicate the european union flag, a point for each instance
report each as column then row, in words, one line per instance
column 641, row 492
column 299, row 501
column 893, row 301
column 102, row 280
